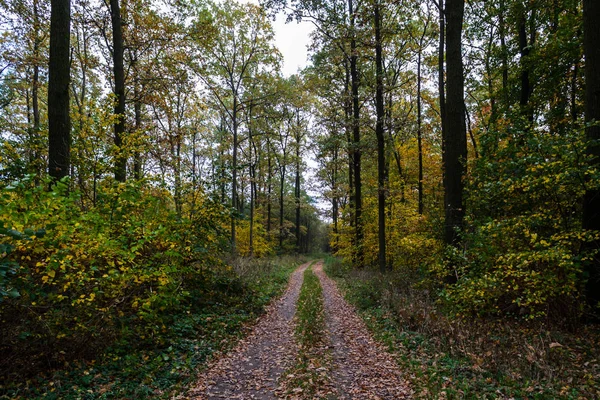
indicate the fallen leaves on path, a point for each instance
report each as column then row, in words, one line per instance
column 252, row 369
column 353, row 364
column 362, row 368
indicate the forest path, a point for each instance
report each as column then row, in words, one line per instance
column 362, row 368
column 252, row 369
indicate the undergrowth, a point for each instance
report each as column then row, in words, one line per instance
column 160, row 366
column 445, row 356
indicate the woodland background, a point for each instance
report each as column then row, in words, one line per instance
column 154, row 162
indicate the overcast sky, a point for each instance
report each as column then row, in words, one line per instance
column 291, row 39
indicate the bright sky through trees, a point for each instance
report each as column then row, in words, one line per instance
column 292, row 40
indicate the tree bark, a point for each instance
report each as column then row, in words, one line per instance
column 297, row 180
column 119, row 76
column 269, row 188
column 281, row 186
column 419, row 133
column 234, row 160
column 591, row 203
column 441, row 71
column 504, row 51
column 455, row 149
column 524, row 50
column 59, row 123
column 356, row 147
column 379, row 133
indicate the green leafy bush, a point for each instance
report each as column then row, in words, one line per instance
column 523, row 248
column 119, row 270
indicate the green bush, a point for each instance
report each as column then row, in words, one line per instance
column 119, row 270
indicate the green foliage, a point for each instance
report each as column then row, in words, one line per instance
column 523, row 247
column 117, row 272
column 150, row 351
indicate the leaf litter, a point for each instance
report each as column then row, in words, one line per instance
column 253, row 368
column 360, row 367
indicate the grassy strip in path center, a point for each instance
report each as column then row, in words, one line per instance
column 309, row 377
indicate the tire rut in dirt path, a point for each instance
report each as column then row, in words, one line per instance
column 252, row 369
column 362, row 368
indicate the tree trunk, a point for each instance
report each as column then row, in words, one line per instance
column 269, row 188
column 441, row 79
column 356, row 147
column 59, row 123
column 335, row 199
column 119, row 75
column 137, row 157
column 252, row 170
column 455, row 148
column 419, row 133
column 348, row 129
column 297, row 180
column 234, row 202
column 379, row 133
column 591, row 204
column 504, row 51
column 524, row 50
column 281, row 186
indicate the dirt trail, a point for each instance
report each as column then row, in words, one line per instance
column 252, row 369
column 362, row 368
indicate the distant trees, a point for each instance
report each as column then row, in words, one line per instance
column 196, row 97
column 467, row 163
column 239, row 52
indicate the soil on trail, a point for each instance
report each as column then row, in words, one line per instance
column 362, row 368
column 359, row 367
column 252, row 369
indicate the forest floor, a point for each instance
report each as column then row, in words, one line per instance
column 265, row 364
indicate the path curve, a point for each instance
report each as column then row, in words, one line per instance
column 362, row 368
column 252, row 369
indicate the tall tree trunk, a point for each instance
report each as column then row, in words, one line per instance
column 419, row 133
column 59, row 68
column 234, row 202
column 335, row 198
column 252, row 170
column 455, row 148
column 281, row 185
column 350, row 146
column 269, row 188
column 137, row 157
column 441, row 72
column 379, row 133
column 503, row 51
column 356, row 146
column 297, row 180
column 524, row 49
column 119, row 75
column 35, row 86
column 591, row 204
column 178, row 195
